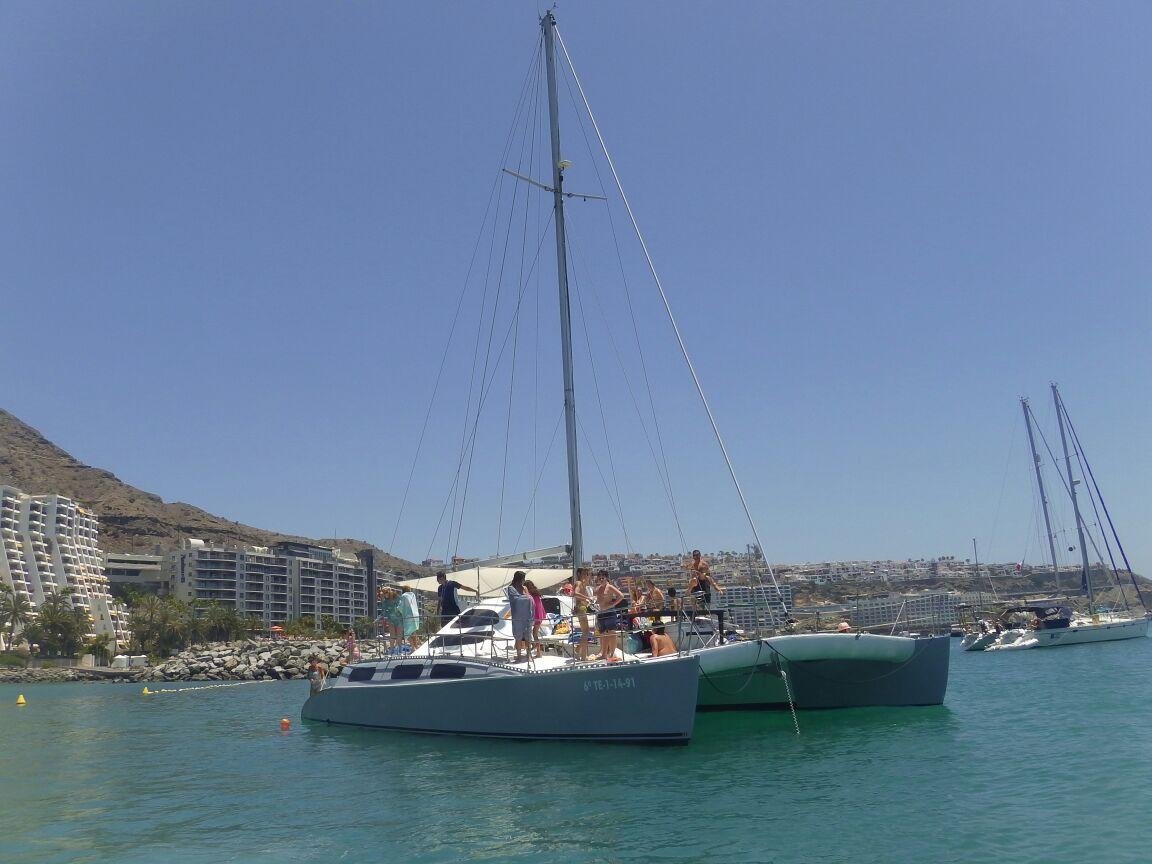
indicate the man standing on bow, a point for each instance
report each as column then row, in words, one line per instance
column 447, row 601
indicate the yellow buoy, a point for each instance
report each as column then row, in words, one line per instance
column 285, row 724
column 20, row 700
column 145, row 691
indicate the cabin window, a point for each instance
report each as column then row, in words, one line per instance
column 407, row 671
column 361, row 673
column 447, row 670
column 476, row 618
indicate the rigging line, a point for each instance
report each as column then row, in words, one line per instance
column 495, row 309
column 485, row 389
column 1100, row 525
column 456, row 315
column 618, row 504
column 665, row 481
column 1004, row 478
column 534, row 125
column 599, row 401
column 460, row 464
column 666, row 476
column 671, row 317
column 604, row 480
column 1104, row 505
column 539, row 477
column 533, row 70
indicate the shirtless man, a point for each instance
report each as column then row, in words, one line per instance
column 661, row 644
column 653, row 597
column 700, row 581
column 608, row 616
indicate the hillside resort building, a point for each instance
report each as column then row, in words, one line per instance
column 51, row 543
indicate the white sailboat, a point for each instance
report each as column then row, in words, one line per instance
column 819, row 670
column 1053, row 623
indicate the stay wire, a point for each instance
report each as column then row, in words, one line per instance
column 671, row 316
column 459, row 307
column 533, row 71
column 662, row 468
column 495, row 304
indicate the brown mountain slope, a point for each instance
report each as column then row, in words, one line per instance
column 131, row 520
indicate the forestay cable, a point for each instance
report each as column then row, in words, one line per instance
column 671, row 316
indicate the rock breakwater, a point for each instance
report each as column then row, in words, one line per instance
column 253, row 660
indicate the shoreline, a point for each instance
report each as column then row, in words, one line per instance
column 247, row 660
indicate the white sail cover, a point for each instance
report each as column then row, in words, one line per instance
column 491, row 580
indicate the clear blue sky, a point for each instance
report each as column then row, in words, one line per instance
column 232, row 236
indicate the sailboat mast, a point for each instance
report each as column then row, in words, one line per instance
column 548, row 24
column 1087, row 580
column 1040, row 485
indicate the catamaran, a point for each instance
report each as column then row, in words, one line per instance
column 443, row 684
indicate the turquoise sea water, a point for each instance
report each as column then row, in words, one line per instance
column 1037, row 756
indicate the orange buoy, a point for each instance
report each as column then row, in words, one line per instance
column 285, row 724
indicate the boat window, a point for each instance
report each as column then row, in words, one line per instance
column 447, row 670
column 552, row 604
column 361, row 673
column 476, row 618
column 407, row 671
column 455, row 641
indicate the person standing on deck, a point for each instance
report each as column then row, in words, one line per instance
column 520, row 608
column 447, row 600
column 539, row 615
column 700, row 581
column 410, row 615
column 582, row 599
column 608, row 600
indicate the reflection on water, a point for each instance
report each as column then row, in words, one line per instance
column 97, row 773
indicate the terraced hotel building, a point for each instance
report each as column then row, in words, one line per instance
column 51, row 543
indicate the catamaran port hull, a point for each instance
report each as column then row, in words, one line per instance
column 650, row 702
column 832, row 670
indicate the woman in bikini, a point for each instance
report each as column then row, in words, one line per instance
column 581, row 602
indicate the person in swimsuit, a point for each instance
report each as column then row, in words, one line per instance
column 653, row 597
column 661, row 643
column 609, row 600
column 316, row 675
column 350, row 646
column 700, row 581
column 581, row 603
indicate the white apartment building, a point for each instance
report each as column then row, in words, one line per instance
column 272, row 584
column 906, row 611
column 51, row 543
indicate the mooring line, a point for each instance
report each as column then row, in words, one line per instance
column 147, row 692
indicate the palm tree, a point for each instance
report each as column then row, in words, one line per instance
column 15, row 611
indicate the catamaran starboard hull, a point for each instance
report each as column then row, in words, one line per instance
column 826, row 670
column 651, row 702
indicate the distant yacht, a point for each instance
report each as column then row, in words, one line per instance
column 1053, row 623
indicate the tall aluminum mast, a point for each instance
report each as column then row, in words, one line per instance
column 1087, row 578
column 548, row 24
column 1043, row 497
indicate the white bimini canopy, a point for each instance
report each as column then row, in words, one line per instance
column 491, row 580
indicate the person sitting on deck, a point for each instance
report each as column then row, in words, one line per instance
column 662, row 644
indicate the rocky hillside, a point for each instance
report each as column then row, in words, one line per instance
column 132, row 520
